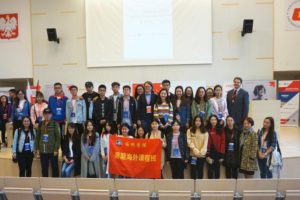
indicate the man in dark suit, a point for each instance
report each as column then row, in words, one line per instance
column 145, row 106
column 238, row 102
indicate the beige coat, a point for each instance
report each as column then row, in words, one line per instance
column 197, row 142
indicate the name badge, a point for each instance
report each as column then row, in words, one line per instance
column 27, row 146
column 220, row 115
column 194, row 161
column 166, row 117
column 126, row 114
column 91, row 149
column 72, row 114
column 263, row 149
column 176, row 152
column 201, row 114
column 58, row 111
column 148, row 109
column 230, row 146
column 45, row 138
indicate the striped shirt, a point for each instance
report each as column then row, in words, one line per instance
column 163, row 113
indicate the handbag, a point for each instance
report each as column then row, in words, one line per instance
column 275, row 158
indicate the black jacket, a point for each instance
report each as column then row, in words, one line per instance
column 76, row 152
column 182, row 142
column 232, row 158
column 107, row 111
column 142, row 106
column 132, row 110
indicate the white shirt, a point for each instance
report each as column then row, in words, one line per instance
column 70, row 147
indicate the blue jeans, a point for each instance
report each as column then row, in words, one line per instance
column 264, row 169
column 67, row 169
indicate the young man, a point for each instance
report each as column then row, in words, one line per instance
column 145, row 106
column 238, row 102
column 166, row 84
column 57, row 104
column 102, row 109
column 127, row 110
column 76, row 110
column 88, row 97
column 115, row 97
column 12, row 96
column 47, row 143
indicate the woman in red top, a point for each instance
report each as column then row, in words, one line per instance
column 215, row 147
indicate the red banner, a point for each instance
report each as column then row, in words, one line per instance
column 135, row 158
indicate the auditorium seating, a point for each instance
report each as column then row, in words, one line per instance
column 143, row 189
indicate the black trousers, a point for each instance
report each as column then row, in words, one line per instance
column 45, row 158
column 197, row 170
column 25, row 163
column 214, row 170
column 231, row 172
column 3, row 130
column 177, row 168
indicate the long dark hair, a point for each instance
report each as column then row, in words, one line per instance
column 218, row 126
column 111, row 128
column 159, row 100
column 6, row 98
column 136, row 88
column 18, row 100
column 191, row 98
column 183, row 100
column 197, row 98
column 202, row 127
column 30, row 127
column 161, row 133
column 75, row 134
column 85, row 133
column 271, row 129
column 137, row 129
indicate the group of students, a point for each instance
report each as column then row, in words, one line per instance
column 194, row 129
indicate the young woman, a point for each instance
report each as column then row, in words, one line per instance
column 210, row 93
column 140, row 132
column 139, row 90
column 201, row 106
column 155, row 133
column 5, row 112
column 24, row 147
column 36, row 112
column 71, row 152
column 21, row 109
column 181, row 109
column 215, row 147
column 232, row 153
column 163, row 111
column 90, row 148
column 267, row 142
column 189, row 95
column 248, row 148
column 104, row 140
column 177, row 152
column 219, row 105
column 197, row 139
column 125, row 129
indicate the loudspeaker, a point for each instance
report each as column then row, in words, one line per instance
column 247, row 26
column 52, row 35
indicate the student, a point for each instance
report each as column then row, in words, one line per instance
column 267, row 142
column 155, row 133
column 21, row 108
column 36, row 112
column 232, row 151
column 102, row 109
column 145, row 106
column 125, row 130
column 115, row 97
column 88, row 97
column 127, row 110
column 140, row 132
column 219, row 105
column 210, row 93
column 71, row 152
column 189, row 95
column 139, row 90
column 104, row 141
column 248, row 148
column 24, row 147
column 163, row 111
column 90, row 148
column 47, row 143
column 177, row 151
column 238, row 102
column 57, row 104
column 5, row 113
column 12, row 96
column 215, row 147
column 76, row 110
column 166, row 84
column 181, row 109
column 201, row 106
column 197, row 140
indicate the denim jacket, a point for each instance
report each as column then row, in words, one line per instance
column 270, row 143
column 80, row 114
column 16, row 115
column 22, row 141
